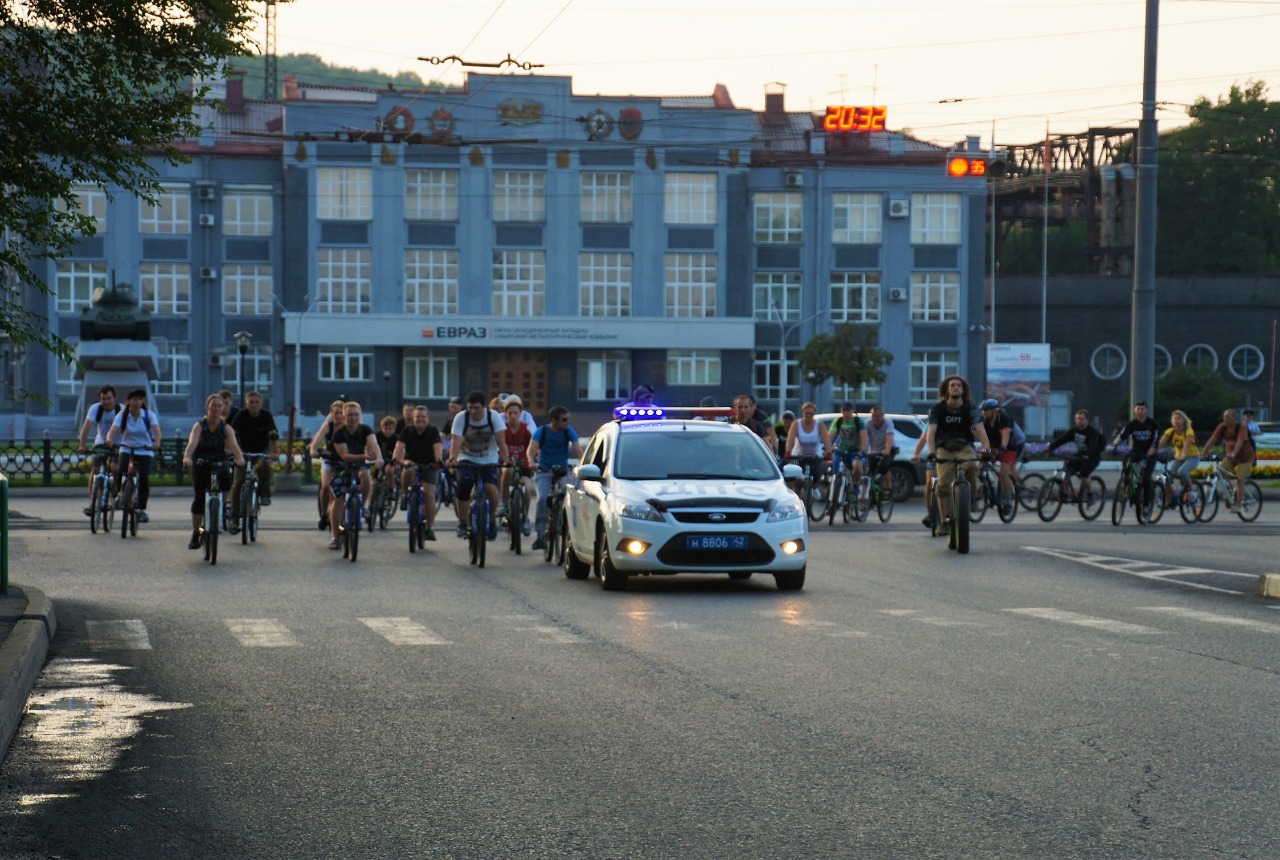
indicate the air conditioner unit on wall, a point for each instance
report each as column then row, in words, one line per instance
column 206, row 192
column 208, row 220
column 208, row 273
column 898, row 294
column 899, row 208
column 794, row 179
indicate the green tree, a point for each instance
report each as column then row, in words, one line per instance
column 1198, row 391
column 849, row 356
column 89, row 91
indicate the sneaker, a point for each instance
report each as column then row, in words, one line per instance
column 264, row 501
column 493, row 531
column 404, row 503
column 233, row 528
column 526, row 528
column 502, row 510
column 537, row 544
column 431, row 533
column 927, row 522
column 116, row 503
column 143, row 518
column 88, row 512
column 194, row 543
column 335, row 544
column 462, row 530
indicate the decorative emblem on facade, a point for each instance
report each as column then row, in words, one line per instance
column 519, row 112
column 399, row 119
column 442, row 123
column 599, row 125
column 630, row 123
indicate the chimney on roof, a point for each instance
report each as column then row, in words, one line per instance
column 775, row 108
column 234, row 102
column 292, row 92
column 720, row 97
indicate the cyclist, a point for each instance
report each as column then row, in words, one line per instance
column 518, row 436
column 955, row 423
column 446, row 426
column 642, row 396
column 744, row 407
column 99, row 418
column 322, row 449
column 782, row 429
column 478, row 443
column 388, row 435
column 1143, row 433
column 137, row 431
column 526, row 417
column 256, row 433
column 229, row 410
column 1186, row 456
column 849, row 439
column 352, row 442
column 1009, row 441
column 1089, row 443
column 880, row 447
column 809, row 441
column 419, row 445
column 212, row 440
column 1238, row 445
column 551, row 447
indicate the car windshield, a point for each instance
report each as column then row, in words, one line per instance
column 678, row 453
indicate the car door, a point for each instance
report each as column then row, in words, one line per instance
column 582, row 499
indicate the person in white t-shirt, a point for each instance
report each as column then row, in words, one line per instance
column 137, row 431
column 478, row 441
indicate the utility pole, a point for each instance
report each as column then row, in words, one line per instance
column 1142, row 340
column 270, row 64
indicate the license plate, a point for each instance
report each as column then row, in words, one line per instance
column 703, row 542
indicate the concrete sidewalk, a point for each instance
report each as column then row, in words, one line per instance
column 27, row 626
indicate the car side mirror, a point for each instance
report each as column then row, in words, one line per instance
column 588, row 472
column 792, row 472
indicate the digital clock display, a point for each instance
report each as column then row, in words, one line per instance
column 854, row 118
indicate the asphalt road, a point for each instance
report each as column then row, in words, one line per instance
column 1062, row 691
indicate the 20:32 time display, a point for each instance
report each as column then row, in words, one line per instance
column 854, row 118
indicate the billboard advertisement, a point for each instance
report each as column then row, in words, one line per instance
column 1018, row 373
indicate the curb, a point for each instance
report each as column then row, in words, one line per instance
column 22, row 656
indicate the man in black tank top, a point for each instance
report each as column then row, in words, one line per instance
column 954, row 425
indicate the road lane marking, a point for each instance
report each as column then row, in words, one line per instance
column 402, row 631
column 260, row 633
column 1160, row 571
column 119, row 635
column 1062, row 616
column 932, row 620
column 1214, row 618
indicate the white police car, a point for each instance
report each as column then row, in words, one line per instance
column 657, row 494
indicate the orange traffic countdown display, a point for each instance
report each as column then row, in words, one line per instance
column 960, row 166
column 854, row 118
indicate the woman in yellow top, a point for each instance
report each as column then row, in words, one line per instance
column 1186, row 456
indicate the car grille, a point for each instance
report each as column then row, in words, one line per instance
column 716, row 517
column 674, row 554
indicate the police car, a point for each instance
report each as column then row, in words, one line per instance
column 661, row 493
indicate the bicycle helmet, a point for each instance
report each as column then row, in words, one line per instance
column 991, row 403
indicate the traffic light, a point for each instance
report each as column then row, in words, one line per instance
column 960, row 166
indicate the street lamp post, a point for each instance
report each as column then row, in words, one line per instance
column 386, row 392
column 242, row 345
column 783, row 334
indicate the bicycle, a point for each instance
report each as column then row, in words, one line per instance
column 250, row 505
column 1027, row 485
column 446, row 488
column 416, row 511
column 1132, row 492
column 347, row 483
column 102, row 496
column 877, row 497
column 553, row 541
column 128, row 495
column 1091, row 497
column 839, row 500
column 1220, row 486
column 957, row 525
column 386, row 499
column 1186, row 495
column 478, row 520
column 990, row 494
column 214, row 511
column 517, row 507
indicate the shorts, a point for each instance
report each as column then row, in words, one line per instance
column 1009, row 456
column 344, row 482
column 429, row 474
column 839, row 457
column 1082, row 466
column 1241, row 470
column 467, row 476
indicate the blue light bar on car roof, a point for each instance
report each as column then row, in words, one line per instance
column 637, row 413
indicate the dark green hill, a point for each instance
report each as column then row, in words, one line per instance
column 311, row 69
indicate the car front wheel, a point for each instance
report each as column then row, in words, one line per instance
column 611, row 578
column 789, row 580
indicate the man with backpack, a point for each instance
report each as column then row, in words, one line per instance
column 137, row 431
column 99, row 417
column 551, row 447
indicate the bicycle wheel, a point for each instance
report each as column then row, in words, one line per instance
column 1029, row 486
column 884, row 504
column 1153, row 503
column 251, row 524
column 961, row 519
column 246, row 500
column 1119, row 503
column 480, row 514
column 515, row 514
column 415, row 511
column 1049, row 502
column 860, row 504
column 1251, row 502
column 806, row 495
column 836, row 499
column 1190, row 500
column 1093, row 498
column 214, row 518
column 1006, row 503
column 355, row 515
column 980, row 498
column 95, row 504
column 552, row 531
column 108, row 511
column 126, row 502
column 818, row 504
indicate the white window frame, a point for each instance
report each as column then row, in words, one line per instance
column 175, row 370
column 74, row 282
column 519, row 282
column 693, row 367
column 91, row 202
column 1108, row 361
column 169, row 215
column 776, row 296
column 605, row 197
column 247, row 289
column 65, row 382
column 344, row 280
column 865, row 394
column 778, row 217
column 856, row 297
column 857, row 218
column 935, row 218
column 430, row 281
column 429, row 374
column 344, row 364
column 690, row 198
column 935, row 297
column 604, row 284
column 766, row 370
column 344, row 193
column 519, row 196
column 247, row 210
column 604, row 375
column 259, row 368
column 431, row 195
column 927, row 370
column 689, row 280
column 1246, row 349
column 1201, row 347
column 165, row 288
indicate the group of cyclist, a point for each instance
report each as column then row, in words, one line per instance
column 846, row 442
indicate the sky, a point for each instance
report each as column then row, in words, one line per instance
column 944, row 70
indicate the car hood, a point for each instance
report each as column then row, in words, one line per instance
column 675, row 493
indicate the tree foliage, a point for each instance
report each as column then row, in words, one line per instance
column 1201, row 392
column 849, row 355
column 89, row 89
column 313, row 69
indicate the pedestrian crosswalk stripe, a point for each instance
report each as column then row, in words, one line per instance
column 1213, row 618
column 403, row 631
column 118, row 635
column 933, row 620
column 261, row 633
column 1064, row 617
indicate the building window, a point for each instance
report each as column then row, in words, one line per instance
column 430, row 374
column 604, row 375
column 170, row 214
column 246, row 289
column 175, row 370
column 1108, row 361
column 935, row 219
column 690, row 198
column 1246, row 362
column 690, row 281
column 247, row 211
column 431, row 195
column 865, row 395
column 1201, row 355
column 767, row 373
column 693, row 367
column 165, row 288
column 520, row 195
column 777, row 296
column 344, row 280
column 259, row 362
column 344, row 193
column 855, row 219
column 1163, row 362
column 65, row 380
column 604, row 284
column 91, row 203
column 928, row 369
column 519, row 283
column 779, row 218
column 606, row 197
column 430, row 281
column 74, row 283
column 343, row 364
column 855, row 297
column 935, row 296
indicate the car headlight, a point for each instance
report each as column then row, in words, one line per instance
column 787, row 511
column 639, row 512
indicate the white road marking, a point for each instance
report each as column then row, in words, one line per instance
column 123, row 635
column 1062, row 616
column 933, row 620
column 402, row 631
column 553, row 635
column 1160, row 571
column 261, row 633
column 1213, row 618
